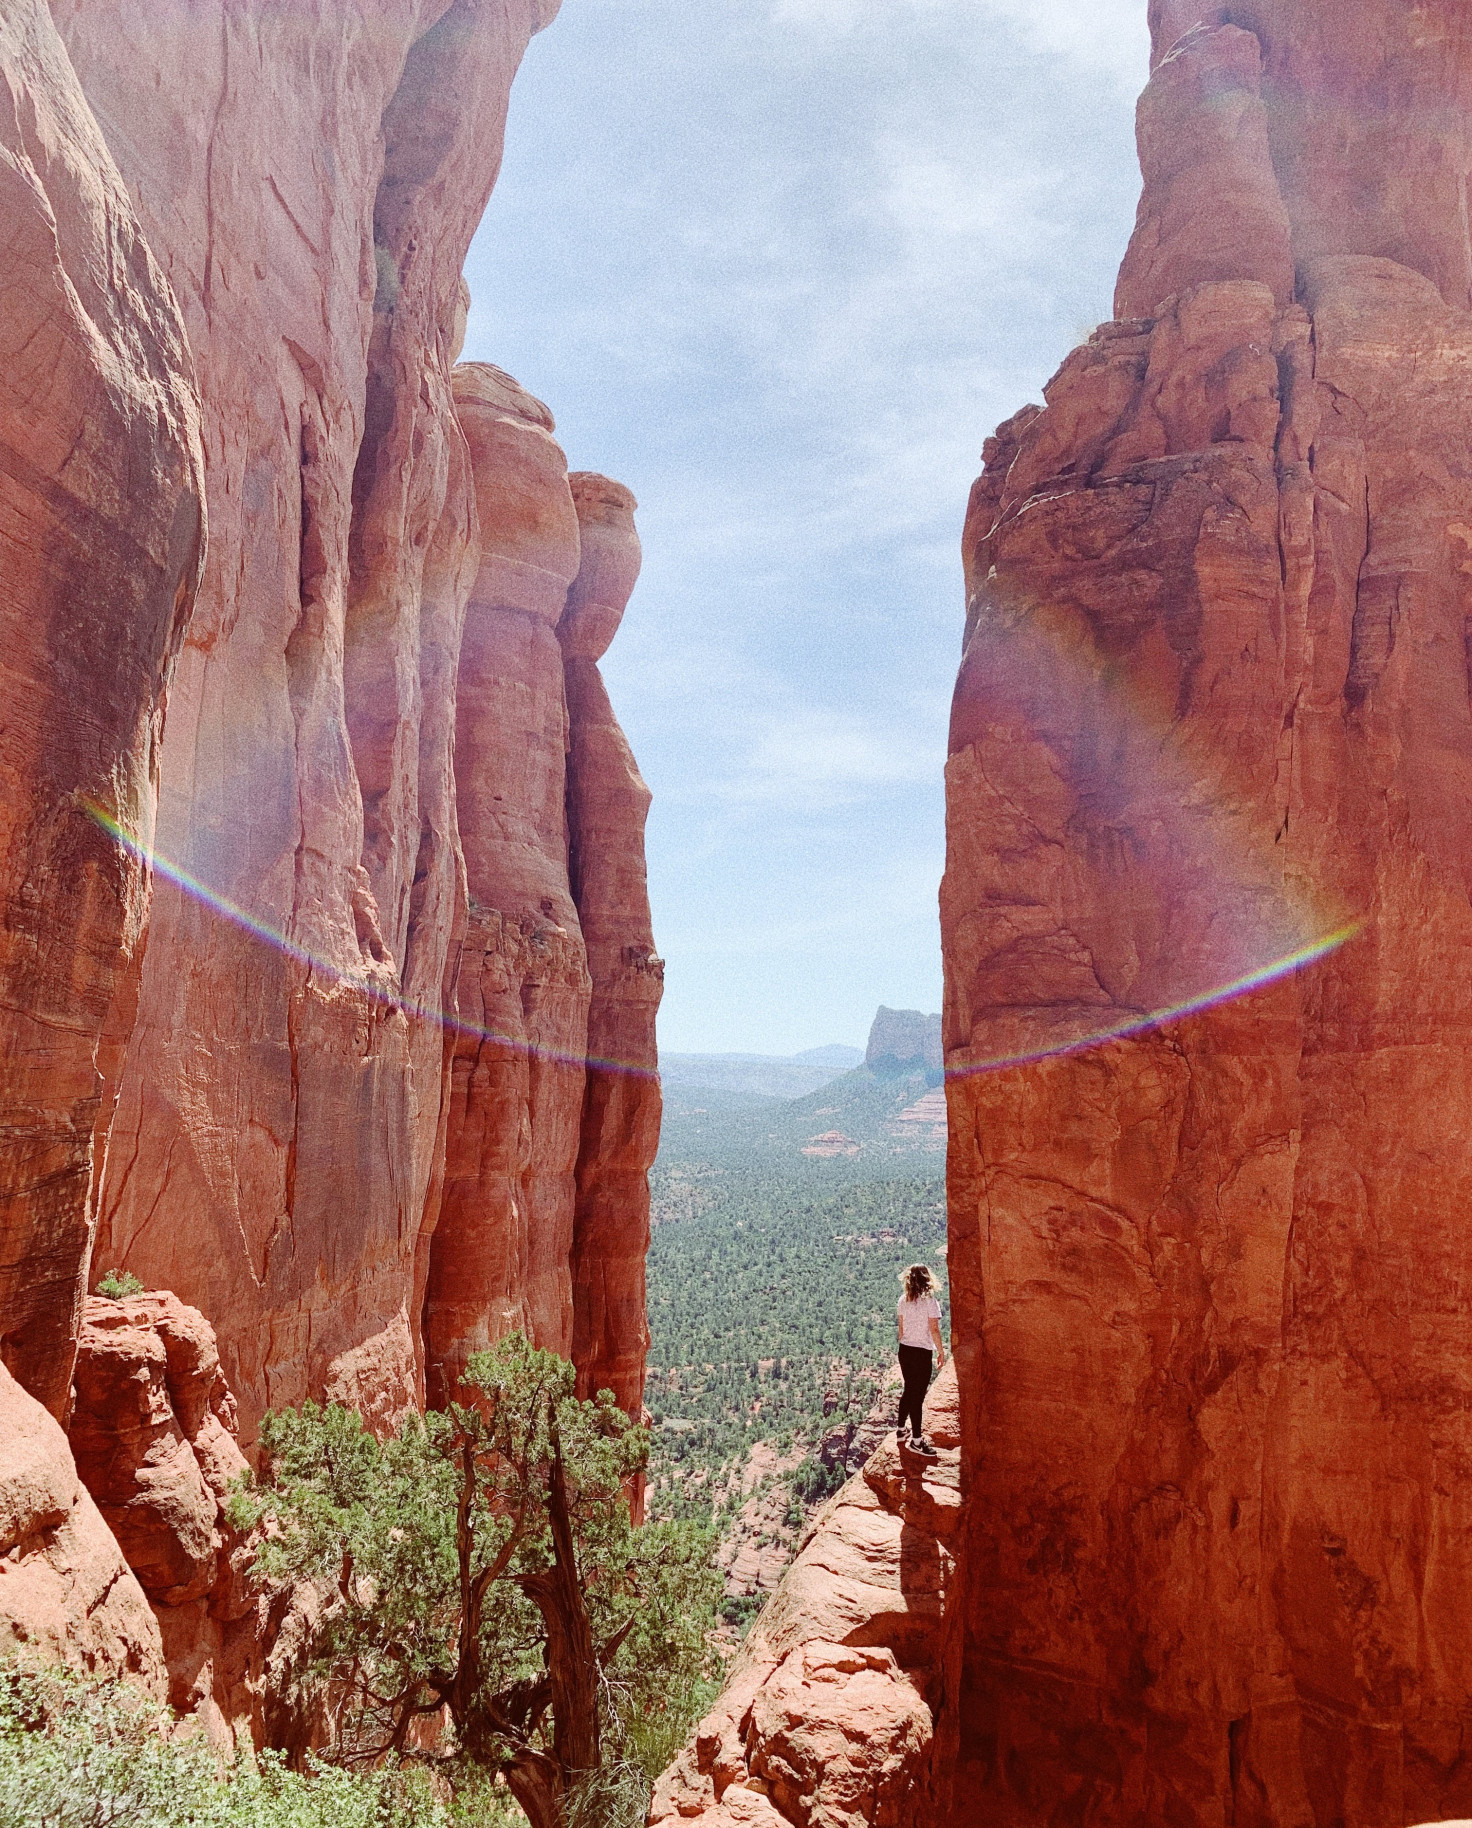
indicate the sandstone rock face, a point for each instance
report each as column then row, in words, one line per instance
column 310, row 189
column 344, row 1105
column 66, row 1594
column 828, row 1719
column 502, row 1251
column 101, row 531
column 1207, row 1277
column 153, row 1433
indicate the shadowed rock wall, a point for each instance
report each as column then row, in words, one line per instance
column 1209, row 1279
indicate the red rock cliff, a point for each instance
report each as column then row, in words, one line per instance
column 501, row 1256
column 101, row 531
column 1209, row 1277
column 554, row 1110
column 311, row 189
column 607, row 803
column 341, row 1103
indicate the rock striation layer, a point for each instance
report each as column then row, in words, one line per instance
column 1208, row 1276
column 101, row 532
column 828, row 1717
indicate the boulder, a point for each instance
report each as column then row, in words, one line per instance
column 66, row 1594
column 153, row 1432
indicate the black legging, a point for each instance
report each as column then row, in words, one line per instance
column 916, row 1363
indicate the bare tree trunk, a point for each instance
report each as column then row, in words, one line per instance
column 536, row 1783
column 572, row 1661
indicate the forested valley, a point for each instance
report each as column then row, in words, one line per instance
column 781, row 1226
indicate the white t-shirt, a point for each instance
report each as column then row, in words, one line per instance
column 915, row 1319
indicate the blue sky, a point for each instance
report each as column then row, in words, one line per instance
column 781, row 266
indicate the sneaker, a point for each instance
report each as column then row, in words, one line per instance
column 921, row 1446
column 900, row 1436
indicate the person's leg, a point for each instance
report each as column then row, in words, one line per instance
column 906, row 1415
column 924, row 1370
column 915, row 1364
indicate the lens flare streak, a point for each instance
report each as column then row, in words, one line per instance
column 1121, row 1030
column 1130, row 1025
column 272, row 936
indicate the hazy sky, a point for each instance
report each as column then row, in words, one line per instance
column 781, row 266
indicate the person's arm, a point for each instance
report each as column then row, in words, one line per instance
column 937, row 1342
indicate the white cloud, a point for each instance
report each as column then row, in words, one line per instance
column 782, row 268
column 1107, row 35
column 818, row 754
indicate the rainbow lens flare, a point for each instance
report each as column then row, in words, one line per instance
column 1129, row 1025
column 201, row 892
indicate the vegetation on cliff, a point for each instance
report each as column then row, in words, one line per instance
column 480, row 1571
column 772, row 1279
column 74, row 1755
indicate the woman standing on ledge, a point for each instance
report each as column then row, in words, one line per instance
column 921, row 1351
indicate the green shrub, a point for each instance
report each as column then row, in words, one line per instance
column 84, row 1755
column 117, row 1285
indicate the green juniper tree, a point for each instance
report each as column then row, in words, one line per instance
column 480, row 1566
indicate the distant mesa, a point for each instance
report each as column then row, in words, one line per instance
column 831, row 1143
column 902, row 1039
column 929, row 1113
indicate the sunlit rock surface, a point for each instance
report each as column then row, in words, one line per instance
column 101, row 532
column 502, row 1250
column 828, row 1719
column 1209, row 1278
column 310, row 184
column 553, row 1116
column 67, row 1597
column 607, row 804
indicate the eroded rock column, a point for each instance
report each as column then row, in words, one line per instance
column 501, row 1253
column 607, row 804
